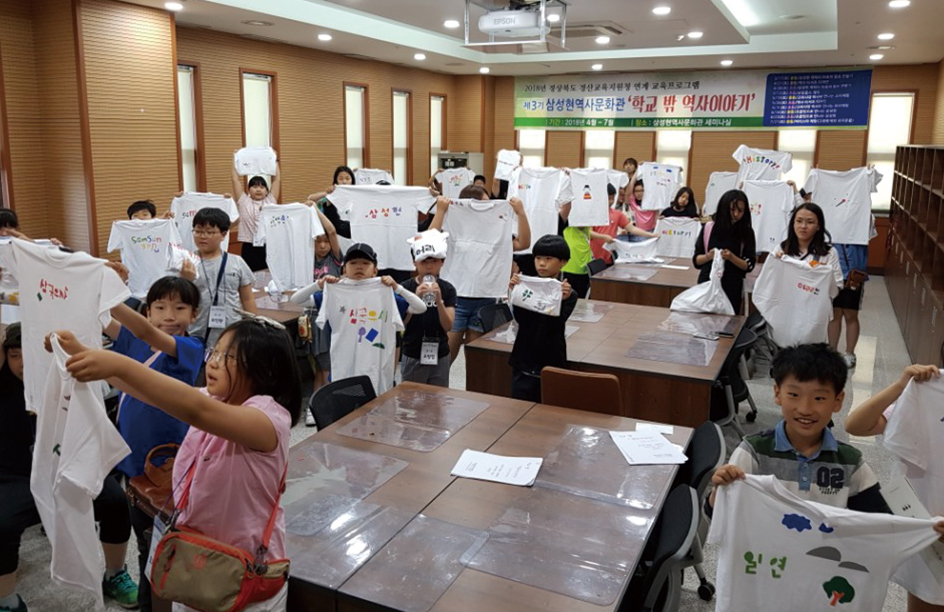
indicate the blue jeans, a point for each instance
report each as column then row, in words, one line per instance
column 467, row 314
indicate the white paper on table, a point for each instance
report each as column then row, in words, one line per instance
column 671, row 267
column 903, row 501
column 662, row 429
column 519, row 471
column 647, row 448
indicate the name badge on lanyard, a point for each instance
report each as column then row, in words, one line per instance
column 429, row 353
column 217, row 318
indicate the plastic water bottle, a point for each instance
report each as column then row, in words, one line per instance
column 429, row 297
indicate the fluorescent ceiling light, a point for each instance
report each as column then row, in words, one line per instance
column 886, row 36
column 696, row 34
column 603, row 40
column 451, row 23
column 726, row 63
column 876, row 56
column 597, row 67
column 173, row 6
column 662, row 10
column 742, row 11
column 553, row 17
column 484, row 70
column 324, row 37
column 899, row 3
column 419, row 56
column 256, row 22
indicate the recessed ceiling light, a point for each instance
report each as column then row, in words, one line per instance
column 419, row 56
column 324, row 37
column 726, row 62
column 882, row 47
column 173, row 6
column 597, row 67
column 553, row 17
column 876, row 56
column 603, row 40
column 792, row 17
column 256, row 22
column 899, row 3
column 695, row 34
column 886, row 36
column 451, row 23
column 485, row 70
column 662, row 10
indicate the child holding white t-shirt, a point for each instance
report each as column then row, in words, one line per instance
column 250, row 200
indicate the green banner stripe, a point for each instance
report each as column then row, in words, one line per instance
column 650, row 122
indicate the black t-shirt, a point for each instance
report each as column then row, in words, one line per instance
column 17, row 426
column 425, row 327
column 540, row 341
column 689, row 211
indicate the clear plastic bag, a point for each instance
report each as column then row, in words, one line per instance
column 673, row 348
column 690, row 323
column 588, row 312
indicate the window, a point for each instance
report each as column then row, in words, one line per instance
column 889, row 126
column 672, row 147
column 598, row 148
column 437, row 130
column 402, row 137
column 355, row 126
column 531, row 144
column 802, row 145
column 257, row 109
column 187, row 103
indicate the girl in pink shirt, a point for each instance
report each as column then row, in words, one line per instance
column 645, row 219
column 239, row 436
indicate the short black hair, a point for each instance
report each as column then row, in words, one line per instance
column 610, row 189
column 631, row 160
column 479, row 177
column 142, row 205
column 806, row 362
column 551, row 245
column 13, row 338
column 214, row 217
column 169, row 286
column 265, row 356
column 8, row 218
column 257, row 180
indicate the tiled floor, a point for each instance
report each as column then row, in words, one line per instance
column 881, row 358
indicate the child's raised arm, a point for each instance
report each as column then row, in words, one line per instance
column 523, row 239
column 331, row 232
column 276, row 190
column 868, row 419
column 239, row 189
column 247, row 300
column 442, row 207
column 144, row 330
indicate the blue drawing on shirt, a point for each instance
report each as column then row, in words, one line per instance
column 826, row 529
column 373, row 333
column 796, row 521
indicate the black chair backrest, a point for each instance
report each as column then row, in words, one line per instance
column 494, row 315
column 705, row 455
column 755, row 322
column 596, row 266
column 340, row 398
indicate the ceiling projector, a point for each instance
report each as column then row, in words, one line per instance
column 513, row 23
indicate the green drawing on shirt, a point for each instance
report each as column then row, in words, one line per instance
column 55, row 450
column 839, row 590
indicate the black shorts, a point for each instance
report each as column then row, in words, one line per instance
column 849, row 299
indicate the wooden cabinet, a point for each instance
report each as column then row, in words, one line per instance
column 914, row 268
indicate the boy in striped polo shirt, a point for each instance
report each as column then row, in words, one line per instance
column 801, row 451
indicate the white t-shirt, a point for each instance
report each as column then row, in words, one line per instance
column 846, row 200
column 454, row 180
column 912, row 435
column 677, row 236
column 778, row 552
column 252, row 161
column 634, row 252
column 480, row 247
column 761, row 164
column 289, row 231
column 617, row 178
column 505, row 164
column 542, row 191
column 364, row 323
column 76, row 447
column 771, row 203
column 58, row 289
column 372, row 176
column 662, row 182
column 146, row 250
column 590, row 204
column 718, row 184
column 383, row 217
column 795, row 299
column 187, row 205
column 538, row 294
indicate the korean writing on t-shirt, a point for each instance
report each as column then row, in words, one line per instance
column 752, row 560
column 51, row 291
column 366, row 318
column 376, row 213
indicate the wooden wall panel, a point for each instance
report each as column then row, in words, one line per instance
column 711, row 152
column 640, row 145
column 465, row 116
column 311, row 106
column 840, row 149
column 937, row 136
column 920, row 78
column 564, row 149
column 488, row 126
column 24, row 119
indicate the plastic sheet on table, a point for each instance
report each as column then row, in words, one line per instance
column 508, row 335
column 576, row 546
column 633, row 272
column 416, row 567
column 669, row 347
column 698, row 323
column 588, row 312
column 588, row 463
column 331, row 555
column 329, row 469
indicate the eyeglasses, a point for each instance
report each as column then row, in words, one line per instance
column 213, row 355
column 197, row 232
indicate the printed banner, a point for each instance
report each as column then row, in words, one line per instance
column 742, row 99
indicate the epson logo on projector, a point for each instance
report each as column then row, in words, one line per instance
column 505, row 21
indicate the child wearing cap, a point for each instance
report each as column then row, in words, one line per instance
column 425, row 357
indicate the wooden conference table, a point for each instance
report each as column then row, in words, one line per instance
column 653, row 389
column 373, row 523
column 644, row 284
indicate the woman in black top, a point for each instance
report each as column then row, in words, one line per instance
column 683, row 205
column 729, row 230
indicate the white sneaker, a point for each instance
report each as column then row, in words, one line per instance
column 850, row 360
column 309, row 418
